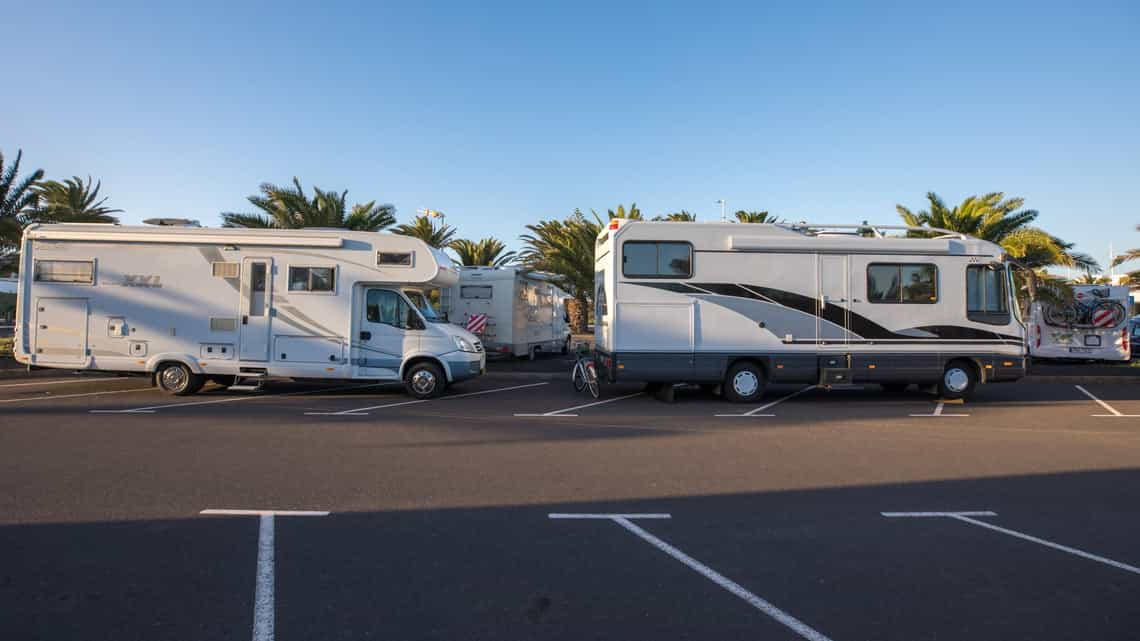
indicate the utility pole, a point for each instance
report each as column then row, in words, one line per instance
column 723, row 216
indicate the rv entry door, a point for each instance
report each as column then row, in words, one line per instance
column 833, row 316
column 256, row 301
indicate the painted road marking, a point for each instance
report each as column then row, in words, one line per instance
column 55, row 397
column 965, row 518
column 363, row 411
column 938, row 411
column 563, row 515
column 626, row 521
column 66, row 381
column 263, row 606
column 562, row 412
column 230, row 399
column 756, row 412
column 1106, row 406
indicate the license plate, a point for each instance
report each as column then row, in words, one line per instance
column 1080, row 350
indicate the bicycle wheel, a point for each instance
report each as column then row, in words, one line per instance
column 578, row 376
column 592, row 381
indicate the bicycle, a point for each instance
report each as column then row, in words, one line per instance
column 585, row 374
column 1100, row 311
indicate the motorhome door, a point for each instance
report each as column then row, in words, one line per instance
column 833, row 317
column 256, row 301
column 61, row 330
column 389, row 328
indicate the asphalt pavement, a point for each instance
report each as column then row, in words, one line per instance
column 349, row 511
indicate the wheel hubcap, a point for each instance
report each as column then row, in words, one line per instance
column 956, row 379
column 173, row 378
column 745, row 383
column 423, row 382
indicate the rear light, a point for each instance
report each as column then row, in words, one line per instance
column 504, row 349
column 1124, row 338
column 1038, row 330
column 614, row 224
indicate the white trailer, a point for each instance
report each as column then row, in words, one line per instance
column 741, row 305
column 237, row 306
column 525, row 311
column 1093, row 326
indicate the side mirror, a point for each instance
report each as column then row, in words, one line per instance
column 414, row 321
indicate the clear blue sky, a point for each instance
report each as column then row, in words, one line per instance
column 503, row 113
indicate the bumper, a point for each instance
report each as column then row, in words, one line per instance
column 464, row 365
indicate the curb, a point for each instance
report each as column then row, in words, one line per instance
column 1081, row 380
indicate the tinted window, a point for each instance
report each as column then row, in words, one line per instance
column 394, row 258
column 479, row 292
column 985, row 289
column 385, row 306
column 902, row 283
column 311, row 279
column 657, row 259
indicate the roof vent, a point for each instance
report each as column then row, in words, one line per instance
column 172, row 222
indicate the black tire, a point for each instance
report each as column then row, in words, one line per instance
column 566, row 346
column 177, row 379
column 958, row 380
column 894, row 388
column 424, row 380
column 744, row 383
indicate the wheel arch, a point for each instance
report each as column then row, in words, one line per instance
column 425, row 358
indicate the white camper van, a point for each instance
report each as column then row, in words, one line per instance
column 1093, row 326
column 237, row 306
column 741, row 305
column 525, row 313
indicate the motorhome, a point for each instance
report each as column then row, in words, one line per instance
column 737, row 306
column 1092, row 326
column 517, row 312
column 237, row 306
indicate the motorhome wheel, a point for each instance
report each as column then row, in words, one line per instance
column 177, row 379
column 424, row 380
column 958, row 381
column 744, row 383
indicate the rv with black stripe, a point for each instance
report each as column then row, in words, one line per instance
column 744, row 305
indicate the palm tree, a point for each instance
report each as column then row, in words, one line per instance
column 633, row 213
column 999, row 220
column 755, row 217
column 290, row 208
column 566, row 248
column 1131, row 254
column 72, row 201
column 1089, row 278
column 16, row 198
column 679, row 217
column 489, row 252
column 424, row 229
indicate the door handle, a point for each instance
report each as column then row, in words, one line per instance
column 364, row 336
column 245, row 320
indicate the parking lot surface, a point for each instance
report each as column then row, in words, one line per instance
column 513, row 508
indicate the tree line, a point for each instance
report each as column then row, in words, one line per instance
column 562, row 246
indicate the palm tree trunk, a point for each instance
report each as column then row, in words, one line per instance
column 577, row 307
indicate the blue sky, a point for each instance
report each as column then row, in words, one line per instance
column 504, row 113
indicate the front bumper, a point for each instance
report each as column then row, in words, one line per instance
column 466, row 365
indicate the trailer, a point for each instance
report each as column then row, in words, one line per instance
column 188, row 305
column 516, row 312
column 1093, row 326
column 737, row 306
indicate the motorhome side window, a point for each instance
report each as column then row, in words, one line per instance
column 648, row 259
column 902, row 283
column 987, row 300
column 394, row 259
column 387, row 307
column 80, row 272
column 312, row 279
column 478, row 292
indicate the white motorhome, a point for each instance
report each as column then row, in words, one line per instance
column 1093, row 326
column 741, row 305
column 525, row 311
column 237, row 306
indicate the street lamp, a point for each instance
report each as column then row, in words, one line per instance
column 433, row 213
column 723, row 217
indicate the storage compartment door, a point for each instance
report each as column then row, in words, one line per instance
column 61, row 331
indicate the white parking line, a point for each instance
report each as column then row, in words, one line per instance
column 965, row 518
column 230, row 399
column 363, row 411
column 57, row 381
column 55, row 397
column 264, row 585
column 756, row 412
column 561, row 412
column 938, row 411
column 1114, row 414
column 624, row 520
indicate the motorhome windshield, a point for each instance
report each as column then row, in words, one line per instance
column 418, row 299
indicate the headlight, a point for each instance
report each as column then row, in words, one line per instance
column 463, row 344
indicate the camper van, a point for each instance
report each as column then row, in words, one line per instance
column 237, row 306
column 516, row 312
column 738, row 306
column 1093, row 326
